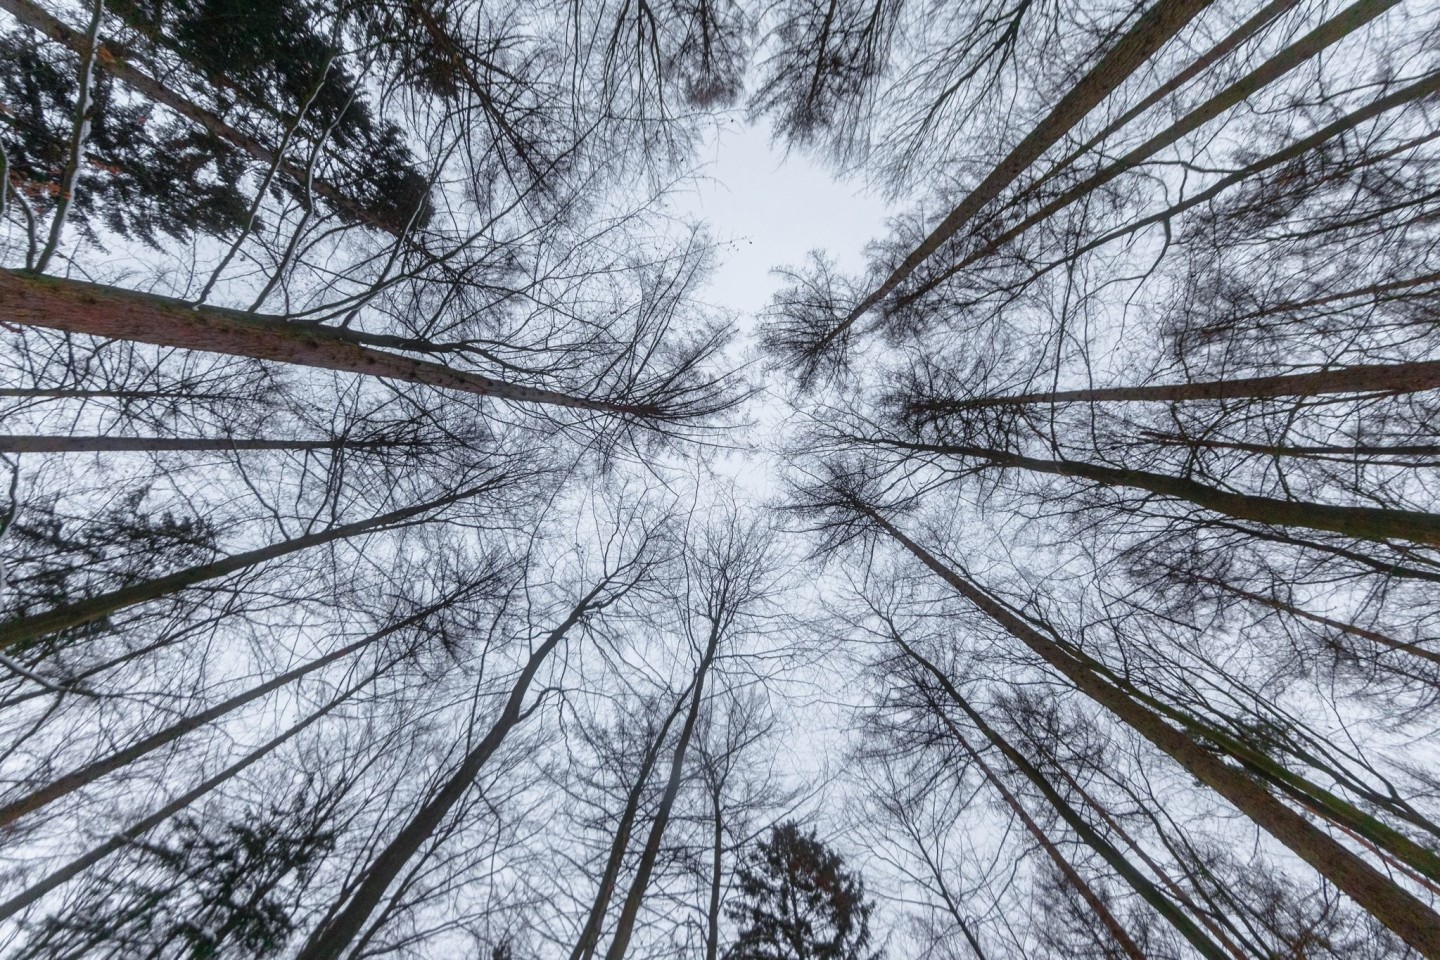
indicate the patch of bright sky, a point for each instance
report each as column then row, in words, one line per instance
column 766, row 209
column 769, row 209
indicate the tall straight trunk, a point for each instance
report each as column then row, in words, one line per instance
column 639, row 885
column 1092, row 838
column 717, row 874
column 13, row 443
column 133, row 833
column 33, row 16
column 18, row 635
column 1311, row 45
column 1363, row 523
column 1155, row 27
column 118, row 314
column 1363, row 378
column 331, row 939
column 88, row 774
column 1177, row 892
column 589, row 937
column 1403, row 913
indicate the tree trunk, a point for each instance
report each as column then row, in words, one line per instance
column 88, row 774
column 717, row 876
column 333, row 938
column 594, row 923
column 1156, row 26
column 625, row 925
column 84, row 862
column 117, row 314
column 12, row 443
column 1363, row 523
column 38, row 19
column 1092, row 838
column 1364, row 378
column 1410, row 919
column 19, row 635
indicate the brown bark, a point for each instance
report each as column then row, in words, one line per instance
column 88, row 774
column 19, row 635
column 118, row 314
column 1155, row 27
column 1403, row 913
column 333, row 938
column 38, row 19
column 1364, row 523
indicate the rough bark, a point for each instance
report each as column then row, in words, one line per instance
column 117, row 314
column 1403, row 913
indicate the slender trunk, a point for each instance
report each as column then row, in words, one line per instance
column 1374, row 636
column 717, row 876
column 1092, row 838
column 589, row 937
column 19, row 635
column 133, row 833
column 1403, row 913
column 38, row 19
column 625, row 925
column 117, row 314
column 88, row 774
column 1363, row 523
column 330, row 940
column 12, row 443
column 1314, row 452
column 1308, row 47
column 1364, row 378
column 79, row 133
column 1155, row 27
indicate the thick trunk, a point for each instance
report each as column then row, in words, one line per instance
column 1407, row 916
column 127, row 837
column 590, row 936
column 18, row 635
column 1092, row 838
column 625, row 925
column 88, row 774
column 38, row 19
column 1150, row 32
column 117, row 314
column 12, row 443
column 1363, row 523
column 333, row 938
column 1308, row 452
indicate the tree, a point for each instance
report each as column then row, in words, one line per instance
column 797, row 901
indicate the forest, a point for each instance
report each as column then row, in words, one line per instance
column 407, row 552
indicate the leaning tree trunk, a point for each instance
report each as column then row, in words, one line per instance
column 19, row 635
column 625, row 925
column 65, row 785
column 1362, row 523
column 38, row 19
column 13, row 443
column 1155, row 27
column 589, row 937
column 1402, row 912
column 130, row 835
column 118, row 314
column 332, row 938
column 1092, row 838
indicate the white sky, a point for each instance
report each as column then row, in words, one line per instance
column 769, row 210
